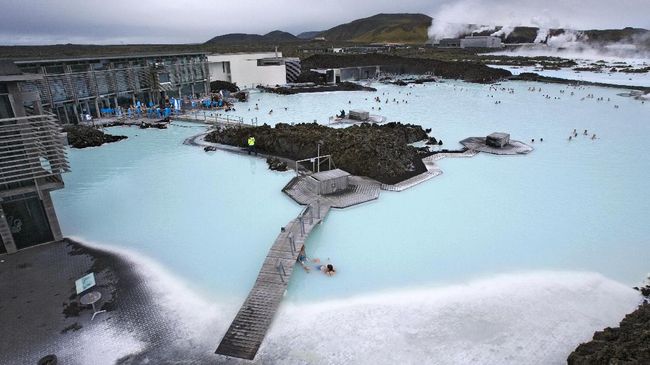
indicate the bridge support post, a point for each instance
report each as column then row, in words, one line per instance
column 281, row 271
column 302, row 225
column 291, row 242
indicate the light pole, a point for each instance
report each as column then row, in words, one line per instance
column 318, row 144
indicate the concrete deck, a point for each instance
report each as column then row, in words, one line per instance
column 361, row 190
column 433, row 170
column 374, row 119
column 37, row 285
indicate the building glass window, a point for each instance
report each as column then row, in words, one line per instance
column 163, row 77
column 6, row 111
column 54, row 69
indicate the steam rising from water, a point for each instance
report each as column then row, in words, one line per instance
column 534, row 317
column 459, row 18
column 472, row 16
column 524, row 318
column 504, row 32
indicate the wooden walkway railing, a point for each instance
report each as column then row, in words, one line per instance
column 248, row 329
column 214, row 117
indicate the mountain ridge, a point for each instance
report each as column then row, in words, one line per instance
column 411, row 28
column 276, row 36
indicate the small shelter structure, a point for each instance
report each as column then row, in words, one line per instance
column 497, row 139
column 360, row 115
column 328, row 182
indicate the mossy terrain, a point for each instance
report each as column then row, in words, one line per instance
column 397, row 28
column 377, row 151
column 80, row 136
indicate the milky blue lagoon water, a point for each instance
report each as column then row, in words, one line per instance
column 499, row 260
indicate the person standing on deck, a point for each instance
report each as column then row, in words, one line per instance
column 251, row 145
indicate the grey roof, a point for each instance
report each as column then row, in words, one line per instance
column 106, row 57
column 499, row 135
column 8, row 68
column 331, row 174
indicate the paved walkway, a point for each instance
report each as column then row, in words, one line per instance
column 433, row 170
column 38, row 300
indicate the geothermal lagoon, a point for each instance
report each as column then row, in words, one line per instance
column 502, row 259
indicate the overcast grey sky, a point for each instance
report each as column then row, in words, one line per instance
column 194, row 21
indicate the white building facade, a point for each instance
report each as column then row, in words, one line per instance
column 248, row 70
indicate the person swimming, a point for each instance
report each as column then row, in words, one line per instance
column 327, row 269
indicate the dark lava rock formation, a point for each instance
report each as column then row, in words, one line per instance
column 216, row 86
column 275, row 164
column 627, row 344
column 341, row 86
column 377, row 151
column 80, row 136
column 468, row 71
column 531, row 76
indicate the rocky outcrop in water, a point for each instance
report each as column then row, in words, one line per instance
column 531, row 76
column 341, row 86
column 275, row 164
column 80, row 136
column 377, row 151
column 216, row 86
column 627, row 344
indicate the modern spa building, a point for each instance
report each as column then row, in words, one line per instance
column 248, row 70
column 293, row 67
column 32, row 159
column 75, row 87
column 336, row 75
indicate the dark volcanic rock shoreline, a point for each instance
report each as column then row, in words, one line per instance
column 342, row 86
column 627, row 344
column 531, row 76
column 80, row 136
column 467, row 71
column 380, row 152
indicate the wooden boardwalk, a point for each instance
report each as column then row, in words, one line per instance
column 433, row 170
column 214, row 118
column 360, row 190
column 247, row 331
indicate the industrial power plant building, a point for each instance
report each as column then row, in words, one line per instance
column 471, row 42
column 481, row 42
